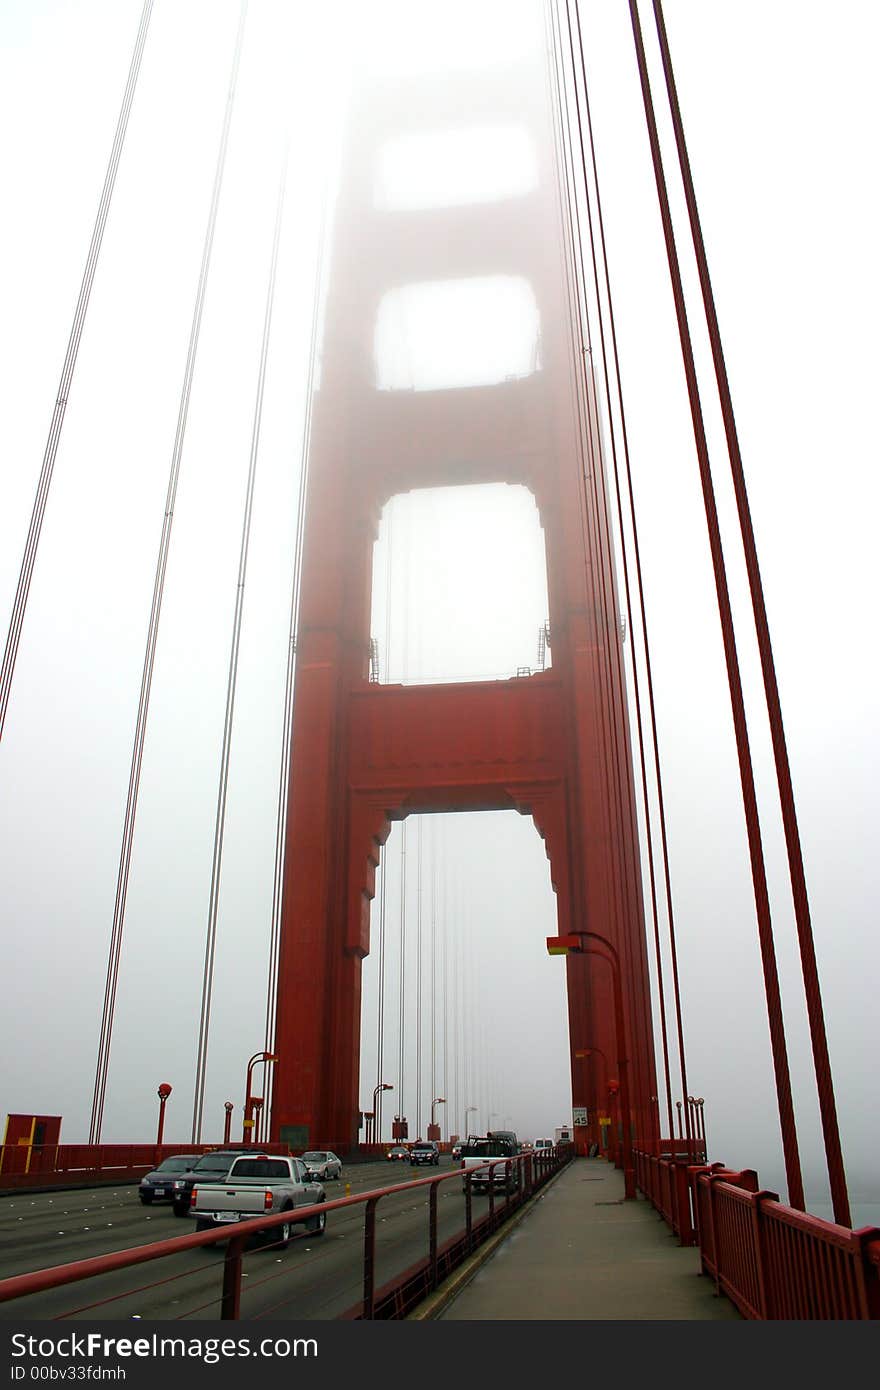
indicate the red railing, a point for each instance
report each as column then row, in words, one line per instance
column 27, row 1166
column 772, row 1262
column 393, row 1300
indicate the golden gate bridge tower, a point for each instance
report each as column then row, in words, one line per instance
column 553, row 744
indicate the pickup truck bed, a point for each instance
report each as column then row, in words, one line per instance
column 259, row 1185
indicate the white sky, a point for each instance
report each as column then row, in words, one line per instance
column 780, row 107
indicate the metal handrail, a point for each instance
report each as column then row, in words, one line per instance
column 20, row 1285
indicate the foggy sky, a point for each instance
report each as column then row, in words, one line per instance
column 780, row 109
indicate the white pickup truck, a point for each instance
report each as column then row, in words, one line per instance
column 478, row 1153
column 260, row 1185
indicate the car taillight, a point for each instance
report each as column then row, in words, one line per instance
column 267, row 1200
column 192, row 1197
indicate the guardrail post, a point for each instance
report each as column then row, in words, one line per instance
column 686, row 1235
column 491, row 1196
column 370, row 1256
column 230, row 1303
column 432, row 1232
column 756, row 1198
column 468, row 1211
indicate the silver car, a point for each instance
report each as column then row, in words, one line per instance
column 322, row 1164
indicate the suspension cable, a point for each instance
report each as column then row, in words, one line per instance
column 155, row 613
column 39, row 508
column 235, row 646
column 809, row 968
column 614, row 763
column 380, row 1011
column 649, row 683
column 750, row 804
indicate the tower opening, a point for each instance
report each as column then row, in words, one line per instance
column 459, row 586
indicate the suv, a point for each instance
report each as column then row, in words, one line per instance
column 425, row 1151
column 211, row 1167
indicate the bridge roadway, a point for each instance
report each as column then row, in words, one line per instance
column 314, row 1278
column 577, row 1252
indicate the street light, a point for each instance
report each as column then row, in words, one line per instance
column 434, row 1131
column 375, row 1134
column 248, row 1123
column 590, row 941
column 228, row 1107
column 163, row 1093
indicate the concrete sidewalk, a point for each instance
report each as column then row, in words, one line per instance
column 579, row 1251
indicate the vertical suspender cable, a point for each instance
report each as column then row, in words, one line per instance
column 821, row 1060
column 753, row 829
column 380, row 1012
column 419, row 875
column 642, row 614
column 155, row 612
column 42, row 494
column 220, row 821
column 615, row 766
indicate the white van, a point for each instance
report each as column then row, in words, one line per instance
column 543, row 1144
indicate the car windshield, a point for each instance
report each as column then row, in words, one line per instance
column 423, row 1146
column 315, row 1156
column 176, row 1165
column 214, row 1163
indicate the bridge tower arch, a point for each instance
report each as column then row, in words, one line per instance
column 553, row 744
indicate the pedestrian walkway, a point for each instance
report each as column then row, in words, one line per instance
column 580, row 1251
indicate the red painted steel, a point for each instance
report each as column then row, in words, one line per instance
column 69, row 1165
column 773, row 1262
column 553, row 745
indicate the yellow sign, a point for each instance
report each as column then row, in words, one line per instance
column 604, row 1119
column 247, row 1124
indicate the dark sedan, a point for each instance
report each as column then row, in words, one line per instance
column 158, row 1186
column 210, row 1167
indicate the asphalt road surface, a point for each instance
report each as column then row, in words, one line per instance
column 316, row 1277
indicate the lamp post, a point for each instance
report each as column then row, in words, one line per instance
column 469, row 1110
column 257, row 1112
column 163, row 1093
column 376, row 1131
column 590, row 941
column 227, row 1125
column 434, row 1128
column 248, row 1123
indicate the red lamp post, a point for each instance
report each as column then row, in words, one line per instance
column 247, row 1136
column 584, row 941
column 375, row 1129
column 227, row 1127
column 163, row 1093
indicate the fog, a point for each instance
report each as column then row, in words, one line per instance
column 780, row 110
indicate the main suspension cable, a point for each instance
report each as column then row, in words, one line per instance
column 155, row 613
column 818, row 1037
column 753, row 830
column 39, row 508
